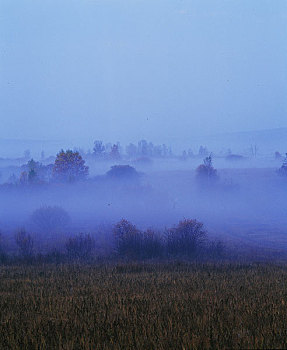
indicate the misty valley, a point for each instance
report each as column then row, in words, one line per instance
column 143, row 249
column 143, row 174
column 239, row 199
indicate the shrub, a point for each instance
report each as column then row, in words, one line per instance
column 186, row 238
column 205, row 172
column 216, row 249
column 234, row 157
column 25, row 244
column 99, row 149
column 3, row 256
column 50, row 219
column 80, row 246
column 128, row 239
column 123, row 172
column 152, row 246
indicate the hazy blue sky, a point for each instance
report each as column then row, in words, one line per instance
column 123, row 70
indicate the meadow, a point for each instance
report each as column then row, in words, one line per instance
column 152, row 305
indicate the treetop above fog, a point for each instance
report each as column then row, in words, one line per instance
column 69, row 166
column 123, row 172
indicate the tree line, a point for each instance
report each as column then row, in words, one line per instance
column 187, row 240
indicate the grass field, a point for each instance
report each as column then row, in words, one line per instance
column 143, row 306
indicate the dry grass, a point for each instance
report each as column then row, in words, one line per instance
column 136, row 306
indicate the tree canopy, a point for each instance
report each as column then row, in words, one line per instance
column 69, row 166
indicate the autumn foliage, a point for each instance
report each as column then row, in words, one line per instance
column 69, row 167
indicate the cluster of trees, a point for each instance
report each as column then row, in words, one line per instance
column 207, row 175
column 142, row 149
column 107, row 151
column 78, row 247
column 34, row 172
column 146, row 149
column 187, row 240
column 69, row 166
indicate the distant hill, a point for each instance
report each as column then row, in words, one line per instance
column 267, row 141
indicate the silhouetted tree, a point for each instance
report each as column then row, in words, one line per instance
column 143, row 148
column 99, row 149
column 80, row 246
column 253, row 149
column 150, row 149
column 165, row 151
column 50, row 219
column 151, row 246
column 33, row 172
column 216, row 249
column 128, row 239
column 25, row 244
column 115, row 154
column 131, row 150
column 69, row 166
column 186, row 238
column 3, row 255
column 205, row 172
column 157, row 151
column 123, row 172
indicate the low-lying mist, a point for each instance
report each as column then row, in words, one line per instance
column 244, row 206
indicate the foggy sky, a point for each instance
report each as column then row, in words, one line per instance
column 124, row 70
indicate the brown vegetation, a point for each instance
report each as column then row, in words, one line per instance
column 143, row 306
